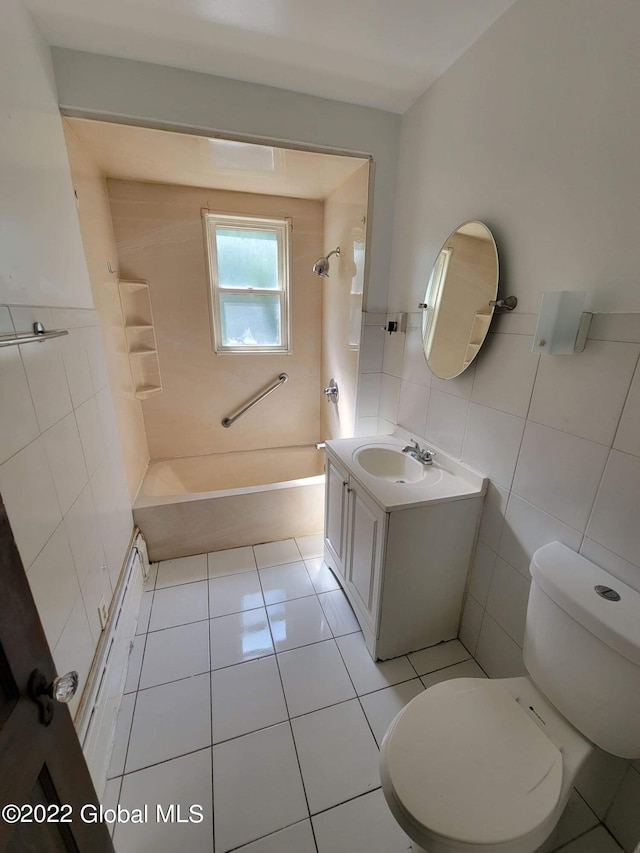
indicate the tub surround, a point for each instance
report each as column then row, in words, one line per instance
column 160, row 239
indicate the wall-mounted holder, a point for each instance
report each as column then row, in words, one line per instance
column 562, row 324
column 507, row 304
column 395, row 323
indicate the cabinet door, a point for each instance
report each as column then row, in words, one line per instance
column 335, row 516
column 367, row 526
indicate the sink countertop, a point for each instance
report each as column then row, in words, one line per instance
column 457, row 483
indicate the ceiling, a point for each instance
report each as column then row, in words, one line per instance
column 373, row 52
column 160, row 156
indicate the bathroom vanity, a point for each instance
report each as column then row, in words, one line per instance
column 399, row 536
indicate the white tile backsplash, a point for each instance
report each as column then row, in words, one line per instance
column 47, row 381
column 505, row 373
column 18, row 422
column 628, row 435
column 91, row 436
column 614, row 521
column 412, row 407
column 492, row 442
column 496, row 652
column 389, row 397
column 527, row 528
column 414, row 367
column 564, row 396
column 481, row 573
column 471, row 623
column 371, row 349
column 393, row 355
column 368, row 395
column 54, row 585
column 459, row 386
column 64, row 452
column 492, row 519
column 30, row 497
column 76, row 365
column 446, row 421
column 560, row 473
column 507, row 600
column 43, row 477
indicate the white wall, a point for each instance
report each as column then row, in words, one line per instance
column 533, row 132
column 61, row 474
column 158, row 95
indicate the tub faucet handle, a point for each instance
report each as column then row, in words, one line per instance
column 331, row 391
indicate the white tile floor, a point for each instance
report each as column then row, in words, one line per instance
column 250, row 693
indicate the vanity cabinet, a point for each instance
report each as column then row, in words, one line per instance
column 404, row 571
column 335, row 512
column 366, row 527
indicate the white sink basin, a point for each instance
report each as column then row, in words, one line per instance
column 394, row 466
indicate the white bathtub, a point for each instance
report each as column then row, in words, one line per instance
column 207, row 503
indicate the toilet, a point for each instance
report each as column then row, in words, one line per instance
column 482, row 765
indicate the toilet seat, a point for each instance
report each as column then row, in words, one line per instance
column 465, row 763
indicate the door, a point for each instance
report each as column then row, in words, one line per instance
column 367, row 530
column 335, row 515
column 42, row 769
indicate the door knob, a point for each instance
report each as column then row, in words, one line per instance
column 41, row 690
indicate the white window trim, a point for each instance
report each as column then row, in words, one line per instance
column 282, row 227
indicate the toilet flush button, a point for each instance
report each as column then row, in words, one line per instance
column 607, row 592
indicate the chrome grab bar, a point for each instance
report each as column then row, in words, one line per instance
column 39, row 334
column 226, row 422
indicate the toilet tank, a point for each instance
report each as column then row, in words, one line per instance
column 582, row 648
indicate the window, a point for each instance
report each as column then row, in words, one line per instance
column 249, row 278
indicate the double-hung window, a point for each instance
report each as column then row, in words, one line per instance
column 249, row 281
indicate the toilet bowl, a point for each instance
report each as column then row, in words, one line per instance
column 485, row 765
column 479, row 765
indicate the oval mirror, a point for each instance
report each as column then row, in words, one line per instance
column 456, row 308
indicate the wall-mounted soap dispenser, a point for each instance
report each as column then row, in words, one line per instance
column 563, row 325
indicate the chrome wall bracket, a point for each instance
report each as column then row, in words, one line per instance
column 507, row 304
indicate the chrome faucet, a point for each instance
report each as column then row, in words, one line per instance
column 419, row 453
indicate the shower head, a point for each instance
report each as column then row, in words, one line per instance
column 321, row 266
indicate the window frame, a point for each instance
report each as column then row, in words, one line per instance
column 282, row 228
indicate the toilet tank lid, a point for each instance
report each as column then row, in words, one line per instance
column 570, row 580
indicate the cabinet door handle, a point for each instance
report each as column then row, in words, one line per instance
column 345, row 482
column 349, row 490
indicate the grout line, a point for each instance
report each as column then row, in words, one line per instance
column 350, row 799
column 165, row 760
column 268, row 835
column 213, row 824
column 293, row 739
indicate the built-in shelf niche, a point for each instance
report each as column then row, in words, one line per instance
column 137, row 316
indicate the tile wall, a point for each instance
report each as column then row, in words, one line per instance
column 61, row 477
column 558, row 436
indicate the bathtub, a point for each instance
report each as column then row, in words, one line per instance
column 196, row 504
